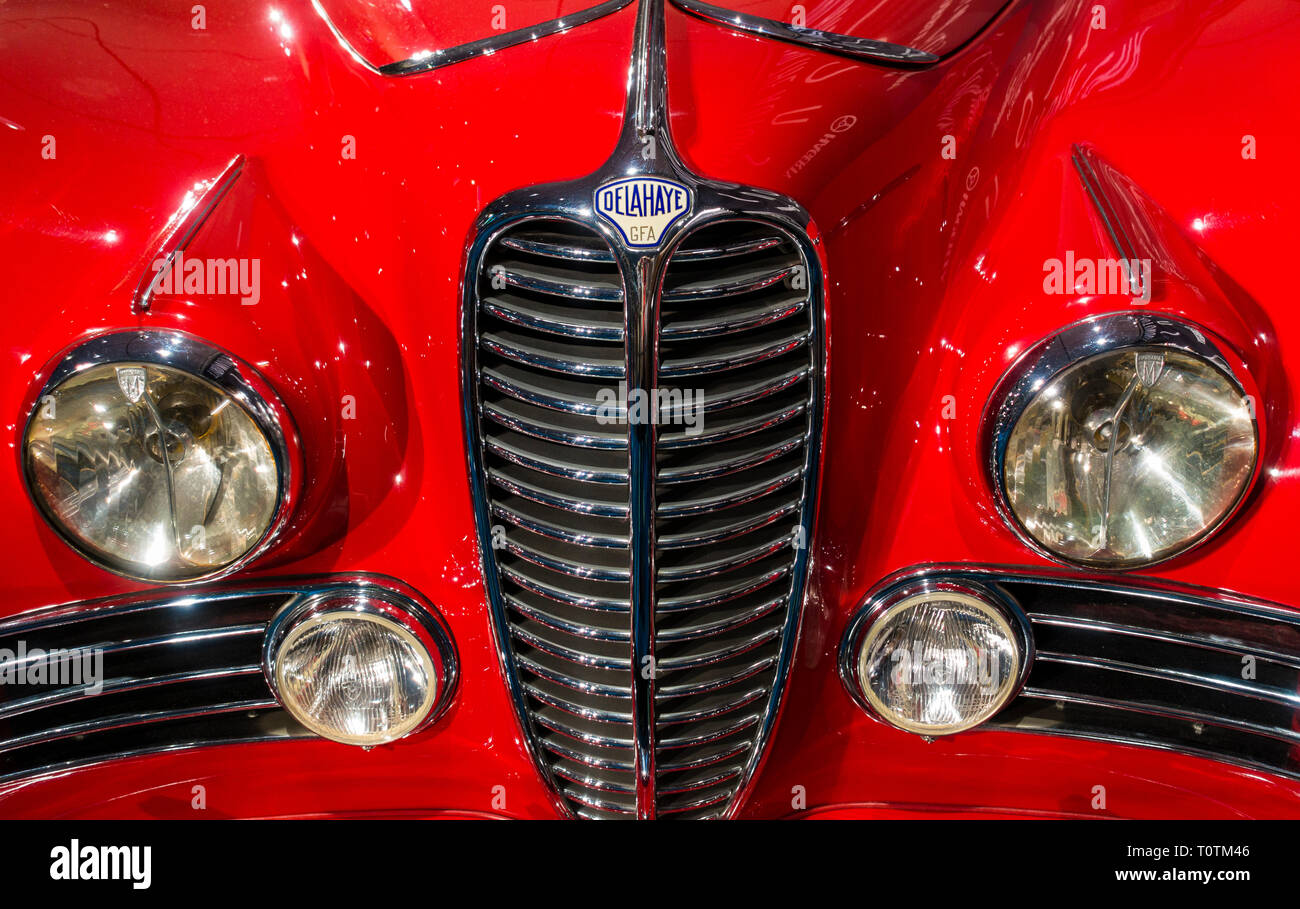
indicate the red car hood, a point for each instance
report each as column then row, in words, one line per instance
column 936, row 195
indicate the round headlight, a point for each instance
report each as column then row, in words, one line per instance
column 361, row 669
column 939, row 658
column 1127, row 441
column 154, row 457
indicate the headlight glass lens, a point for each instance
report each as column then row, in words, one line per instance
column 939, row 662
column 355, row 677
column 152, row 471
column 1129, row 456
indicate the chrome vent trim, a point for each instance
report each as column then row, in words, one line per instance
column 738, row 317
column 460, row 53
column 179, row 670
column 865, row 49
column 1157, row 666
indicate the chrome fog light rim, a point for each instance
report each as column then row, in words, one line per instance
column 868, row 622
column 1090, row 338
column 186, row 353
column 389, row 609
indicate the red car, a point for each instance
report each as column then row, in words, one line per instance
column 649, row 409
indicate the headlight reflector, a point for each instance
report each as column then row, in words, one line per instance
column 360, row 669
column 151, row 454
column 939, row 658
column 1131, row 453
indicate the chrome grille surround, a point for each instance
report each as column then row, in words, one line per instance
column 553, row 490
column 180, row 670
column 1142, row 663
column 611, row 737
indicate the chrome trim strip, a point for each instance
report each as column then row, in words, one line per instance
column 588, row 506
column 554, row 468
column 342, row 41
column 723, row 468
column 183, row 225
column 735, row 430
column 702, row 291
column 731, row 498
column 863, row 49
column 565, row 328
column 553, row 675
column 28, row 777
column 708, row 364
column 125, row 720
column 591, row 632
column 582, row 254
column 1137, row 741
column 118, row 686
column 644, row 118
column 694, row 571
column 183, row 637
column 480, row 48
column 555, row 594
column 1082, row 158
column 710, row 328
column 688, row 689
column 555, row 532
column 1196, row 680
column 1239, row 648
column 492, row 341
column 747, row 697
column 1192, row 716
column 540, row 283
column 76, row 612
column 555, row 563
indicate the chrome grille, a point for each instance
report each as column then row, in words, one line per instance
column 550, row 338
column 739, row 325
column 178, row 670
column 735, row 326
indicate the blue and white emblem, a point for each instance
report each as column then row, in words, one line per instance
column 642, row 208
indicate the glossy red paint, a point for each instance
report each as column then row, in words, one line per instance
column 935, row 285
column 392, row 32
column 934, row 27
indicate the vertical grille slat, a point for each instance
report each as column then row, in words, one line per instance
column 725, row 497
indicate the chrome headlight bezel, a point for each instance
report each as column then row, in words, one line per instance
column 898, row 595
column 375, row 602
column 185, row 353
column 1102, row 334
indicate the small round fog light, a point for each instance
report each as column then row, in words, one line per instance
column 360, row 667
column 939, row 657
